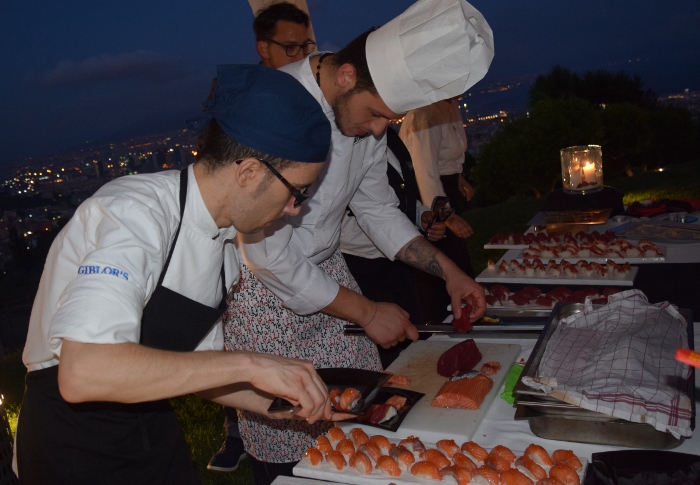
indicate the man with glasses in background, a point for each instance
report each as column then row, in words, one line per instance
column 282, row 37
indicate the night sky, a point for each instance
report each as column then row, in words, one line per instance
column 74, row 71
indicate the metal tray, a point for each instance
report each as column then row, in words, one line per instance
column 551, row 418
column 593, row 216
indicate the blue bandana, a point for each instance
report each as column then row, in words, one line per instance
column 269, row 111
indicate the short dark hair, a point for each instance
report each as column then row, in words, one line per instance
column 265, row 23
column 215, row 149
column 354, row 54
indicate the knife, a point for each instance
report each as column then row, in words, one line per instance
column 353, row 329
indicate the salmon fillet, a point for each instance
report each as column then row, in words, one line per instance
column 463, row 393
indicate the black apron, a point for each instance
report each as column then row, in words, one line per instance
column 115, row 443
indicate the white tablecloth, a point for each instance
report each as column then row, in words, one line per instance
column 499, row 427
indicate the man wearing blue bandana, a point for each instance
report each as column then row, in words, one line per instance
column 128, row 310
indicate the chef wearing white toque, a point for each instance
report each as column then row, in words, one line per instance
column 296, row 292
column 435, row 50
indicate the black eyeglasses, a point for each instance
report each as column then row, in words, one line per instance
column 293, row 49
column 299, row 195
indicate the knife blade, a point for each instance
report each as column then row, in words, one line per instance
column 355, row 329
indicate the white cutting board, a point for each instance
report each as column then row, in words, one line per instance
column 419, row 363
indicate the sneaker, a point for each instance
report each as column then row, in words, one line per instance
column 228, row 457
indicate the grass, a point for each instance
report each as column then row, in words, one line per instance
column 202, row 421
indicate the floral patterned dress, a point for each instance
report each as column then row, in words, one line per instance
column 256, row 321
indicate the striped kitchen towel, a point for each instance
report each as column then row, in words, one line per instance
column 619, row 360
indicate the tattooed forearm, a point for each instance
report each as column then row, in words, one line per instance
column 420, row 254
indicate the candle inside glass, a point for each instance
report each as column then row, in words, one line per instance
column 589, row 172
column 575, row 173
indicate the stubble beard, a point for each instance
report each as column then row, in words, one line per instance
column 340, row 111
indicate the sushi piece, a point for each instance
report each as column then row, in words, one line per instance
column 346, row 448
column 383, row 413
column 514, row 476
column 313, row 456
column 461, row 476
column 361, row 462
column 388, row 466
column 474, row 450
column 425, row 469
column 336, row 459
column 448, row 447
column 437, row 458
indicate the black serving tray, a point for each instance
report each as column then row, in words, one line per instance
column 384, row 393
column 366, row 381
column 643, row 467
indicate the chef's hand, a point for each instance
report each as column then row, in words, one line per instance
column 389, row 325
column 459, row 226
column 294, row 380
column 436, row 230
column 465, row 188
column 462, row 288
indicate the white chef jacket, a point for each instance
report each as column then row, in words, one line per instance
column 353, row 240
column 435, row 138
column 105, row 264
column 285, row 256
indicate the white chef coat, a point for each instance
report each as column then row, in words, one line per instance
column 353, row 240
column 435, row 138
column 284, row 257
column 105, row 264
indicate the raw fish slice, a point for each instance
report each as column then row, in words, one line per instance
column 371, row 450
column 349, row 399
column 448, row 447
column 437, row 458
column 502, row 451
column 397, row 401
column 388, row 465
column 415, row 446
column 359, row 437
column 361, row 462
column 526, row 463
column 497, row 463
column 463, row 461
column 568, row 458
column 565, row 474
column 459, row 358
column 425, row 469
column 382, row 442
column 515, row 477
column 336, row 458
column 335, row 435
column 549, row 481
column 346, row 448
column 475, row 450
column 463, row 393
column 323, row 444
column 402, row 456
column 539, row 455
column 462, row 476
column 313, row 456
column 485, row 476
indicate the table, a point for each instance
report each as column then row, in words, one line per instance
column 676, row 280
column 499, row 427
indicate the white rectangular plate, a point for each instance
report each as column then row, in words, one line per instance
column 492, row 276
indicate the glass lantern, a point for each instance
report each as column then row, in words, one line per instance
column 582, row 169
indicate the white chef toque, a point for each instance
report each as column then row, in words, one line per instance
column 437, row 49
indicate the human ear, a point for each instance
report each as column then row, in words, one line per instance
column 263, row 49
column 345, row 77
column 249, row 171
